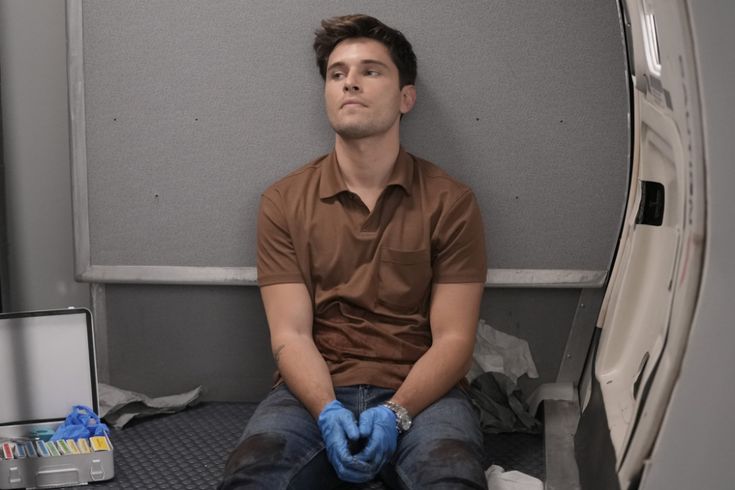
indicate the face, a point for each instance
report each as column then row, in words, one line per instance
column 362, row 90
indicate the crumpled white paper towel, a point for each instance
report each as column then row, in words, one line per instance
column 500, row 352
column 498, row 479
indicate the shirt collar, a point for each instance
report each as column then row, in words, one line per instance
column 331, row 182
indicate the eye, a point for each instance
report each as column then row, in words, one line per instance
column 337, row 75
column 372, row 73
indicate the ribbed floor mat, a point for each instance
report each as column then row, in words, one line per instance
column 188, row 450
column 521, row 452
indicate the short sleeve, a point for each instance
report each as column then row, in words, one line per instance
column 458, row 243
column 277, row 261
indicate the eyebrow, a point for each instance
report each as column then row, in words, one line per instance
column 362, row 62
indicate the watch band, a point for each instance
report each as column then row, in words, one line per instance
column 403, row 419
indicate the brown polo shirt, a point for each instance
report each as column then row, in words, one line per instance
column 369, row 274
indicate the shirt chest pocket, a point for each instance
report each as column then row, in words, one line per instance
column 404, row 278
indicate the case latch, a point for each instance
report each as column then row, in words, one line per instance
column 97, row 471
column 14, row 475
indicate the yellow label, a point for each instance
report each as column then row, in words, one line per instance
column 99, row 443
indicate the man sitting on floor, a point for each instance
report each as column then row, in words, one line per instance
column 371, row 264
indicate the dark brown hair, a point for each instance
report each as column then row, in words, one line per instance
column 338, row 29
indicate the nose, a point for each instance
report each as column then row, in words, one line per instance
column 351, row 87
column 351, row 84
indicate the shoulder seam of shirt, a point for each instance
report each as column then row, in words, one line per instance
column 312, row 166
column 442, row 174
column 461, row 196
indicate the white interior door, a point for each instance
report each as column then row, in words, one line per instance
column 650, row 300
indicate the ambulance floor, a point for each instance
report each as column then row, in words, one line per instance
column 188, row 450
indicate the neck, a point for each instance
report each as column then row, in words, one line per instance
column 366, row 163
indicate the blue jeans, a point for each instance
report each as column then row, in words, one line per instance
column 282, row 447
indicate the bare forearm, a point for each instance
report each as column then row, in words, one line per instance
column 435, row 373
column 455, row 308
column 289, row 311
column 304, row 371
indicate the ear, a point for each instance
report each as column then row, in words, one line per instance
column 408, row 98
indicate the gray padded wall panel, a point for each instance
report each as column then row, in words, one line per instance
column 166, row 339
column 193, row 108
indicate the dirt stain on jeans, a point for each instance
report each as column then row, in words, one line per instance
column 260, row 449
column 447, row 451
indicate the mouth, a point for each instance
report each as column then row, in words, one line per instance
column 352, row 103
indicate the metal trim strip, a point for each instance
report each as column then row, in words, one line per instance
column 77, row 137
column 247, row 276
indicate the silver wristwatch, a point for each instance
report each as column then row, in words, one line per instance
column 403, row 419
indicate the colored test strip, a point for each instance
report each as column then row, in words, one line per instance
column 63, row 448
column 73, row 449
column 99, row 443
column 83, row 446
column 42, row 449
column 52, row 449
column 20, row 451
column 8, row 450
column 30, row 449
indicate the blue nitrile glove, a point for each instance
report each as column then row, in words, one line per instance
column 378, row 425
column 337, row 425
column 81, row 422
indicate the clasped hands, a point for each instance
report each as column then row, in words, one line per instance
column 338, row 427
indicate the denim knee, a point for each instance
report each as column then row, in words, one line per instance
column 443, row 464
column 258, row 449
